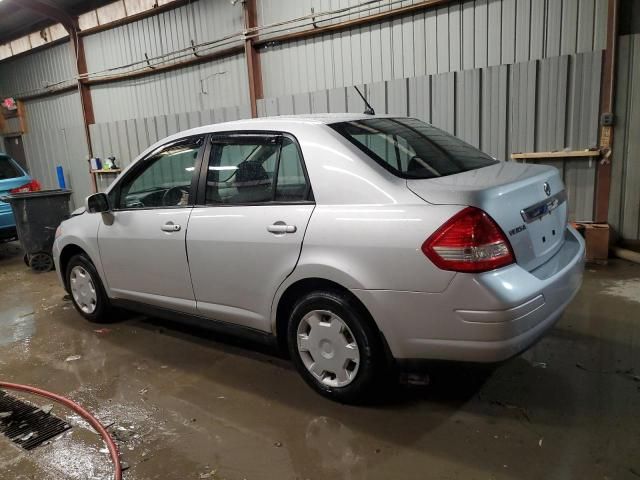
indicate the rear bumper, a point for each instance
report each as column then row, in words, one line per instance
column 487, row 317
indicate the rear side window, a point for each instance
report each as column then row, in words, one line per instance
column 410, row 148
column 8, row 168
column 256, row 170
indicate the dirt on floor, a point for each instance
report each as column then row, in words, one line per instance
column 188, row 404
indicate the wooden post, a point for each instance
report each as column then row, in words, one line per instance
column 607, row 98
column 252, row 56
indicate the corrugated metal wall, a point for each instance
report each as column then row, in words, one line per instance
column 505, row 75
column 543, row 105
column 55, row 133
column 461, row 36
column 216, row 84
column 624, row 206
column 37, row 70
column 56, row 137
column 126, row 139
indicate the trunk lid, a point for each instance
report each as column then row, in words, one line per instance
column 527, row 201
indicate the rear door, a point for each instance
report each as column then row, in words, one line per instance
column 245, row 237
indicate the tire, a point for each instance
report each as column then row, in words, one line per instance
column 98, row 312
column 361, row 378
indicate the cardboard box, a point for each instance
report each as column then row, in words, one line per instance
column 596, row 236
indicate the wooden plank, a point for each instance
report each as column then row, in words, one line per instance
column 559, row 154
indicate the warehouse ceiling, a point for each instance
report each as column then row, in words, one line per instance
column 16, row 22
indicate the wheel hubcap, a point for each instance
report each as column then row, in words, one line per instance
column 328, row 348
column 83, row 290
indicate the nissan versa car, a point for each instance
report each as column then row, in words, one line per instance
column 354, row 241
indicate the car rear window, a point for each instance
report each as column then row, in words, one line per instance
column 8, row 168
column 410, row 148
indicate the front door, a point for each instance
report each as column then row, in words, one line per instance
column 246, row 237
column 142, row 244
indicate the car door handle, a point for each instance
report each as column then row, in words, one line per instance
column 170, row 227
column 281, row 227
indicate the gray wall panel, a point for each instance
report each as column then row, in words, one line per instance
column 56, row 137
column 551, row 118
column 36, row 71
column 459, row 36
column 468, row 106
column 420, row 98
column 200, row 87
column 522, row 101
column 443, row 108
column 494, row 126
column 624, row 206
column 583, row 106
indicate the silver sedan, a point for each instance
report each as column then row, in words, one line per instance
column 354, row 242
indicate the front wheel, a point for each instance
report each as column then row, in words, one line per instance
column 87, row 292
column 335, row 347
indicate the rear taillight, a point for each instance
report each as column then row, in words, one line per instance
column 32, row 186
column 470, row 241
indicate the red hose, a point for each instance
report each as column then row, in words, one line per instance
column 113, row 449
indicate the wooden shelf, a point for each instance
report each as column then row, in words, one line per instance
column 559, row 154
column 111, row 170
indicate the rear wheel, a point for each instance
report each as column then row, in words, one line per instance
column 335, row 347
column 87, row 292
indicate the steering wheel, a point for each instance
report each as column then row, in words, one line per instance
column 174, row 195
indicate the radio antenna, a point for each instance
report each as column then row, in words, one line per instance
column 369, row 109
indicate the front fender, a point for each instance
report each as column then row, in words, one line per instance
column 82, row 232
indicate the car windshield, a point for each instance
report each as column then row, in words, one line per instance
column 410, row 148
column 8, row 169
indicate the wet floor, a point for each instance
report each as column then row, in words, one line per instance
column 184, row 404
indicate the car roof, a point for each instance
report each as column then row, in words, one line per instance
column 274, row 122
column 325, row 118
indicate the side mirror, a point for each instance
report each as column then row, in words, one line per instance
column 97, row 203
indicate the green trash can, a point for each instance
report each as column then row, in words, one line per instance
column 37, row 216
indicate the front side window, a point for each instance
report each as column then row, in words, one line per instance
column 410, row 148
column 164, row 180
column 256, row 170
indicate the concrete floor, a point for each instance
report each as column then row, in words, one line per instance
column 186, row 405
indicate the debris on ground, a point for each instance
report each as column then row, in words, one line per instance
column 278, row 444
column 523, row 411
column 46, row 408
column 26, row 314
column 5, row 414
column 540, row 442
column 102, row 330
column 73, row 358
column 213, row 474
column 539, row 364
column 143, row 391
column 627, row 372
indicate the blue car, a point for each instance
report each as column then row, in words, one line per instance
column 13, row 179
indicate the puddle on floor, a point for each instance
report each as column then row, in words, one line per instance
column 16, row 325
column 629, row 289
